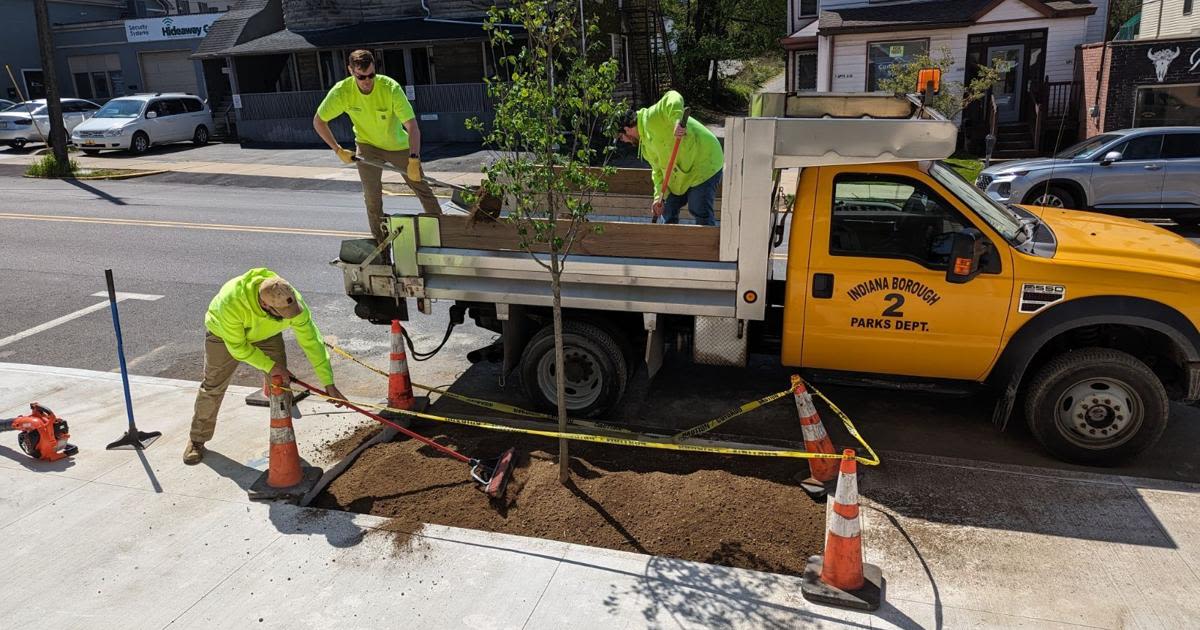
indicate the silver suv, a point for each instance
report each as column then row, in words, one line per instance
column 1148, row 172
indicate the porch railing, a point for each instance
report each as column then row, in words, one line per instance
column 1060, row 98
column 446, row 98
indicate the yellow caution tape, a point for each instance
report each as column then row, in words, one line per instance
column 636, row 439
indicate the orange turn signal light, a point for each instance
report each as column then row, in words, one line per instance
column 750, row 297
column 925, row 76
column 962, row 266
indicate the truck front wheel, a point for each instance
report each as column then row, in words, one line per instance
column 1096, row 406
column 595, row 370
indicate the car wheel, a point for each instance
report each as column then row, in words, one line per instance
column 17, row 144
column 1051, row 197
column 595, row 370
column 201, row 136
column 140, row 143
column 91, row 152
column 1096, row 406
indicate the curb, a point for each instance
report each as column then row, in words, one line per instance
column 119, row 176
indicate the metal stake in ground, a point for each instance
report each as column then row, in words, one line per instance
column 133, row 439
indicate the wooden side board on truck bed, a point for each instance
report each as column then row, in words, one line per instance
column 630, row 240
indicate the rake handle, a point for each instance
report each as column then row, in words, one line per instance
column 662, row 194
column 378, row 418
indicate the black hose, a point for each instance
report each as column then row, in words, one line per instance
column 425, row 356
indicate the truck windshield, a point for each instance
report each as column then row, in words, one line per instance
column 997, row 216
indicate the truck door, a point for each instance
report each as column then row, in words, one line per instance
column 878, row 298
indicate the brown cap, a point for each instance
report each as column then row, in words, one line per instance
column 276, row 293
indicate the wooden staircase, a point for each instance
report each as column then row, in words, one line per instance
column 1014, row 141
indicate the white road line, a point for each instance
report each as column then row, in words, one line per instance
column 77, row 314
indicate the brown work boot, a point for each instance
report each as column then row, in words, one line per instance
column 193, row 453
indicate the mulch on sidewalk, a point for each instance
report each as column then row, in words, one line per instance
column 744, row 512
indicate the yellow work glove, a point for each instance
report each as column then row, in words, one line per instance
column 414, row 168
column 344, row 154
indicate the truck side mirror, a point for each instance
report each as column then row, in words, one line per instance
column 966, row 249
column 1110, row 157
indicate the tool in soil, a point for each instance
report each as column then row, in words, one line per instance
column 839, row 577
column 43, row 435
column 683, row 120
column 492, row 474
column 133, row 438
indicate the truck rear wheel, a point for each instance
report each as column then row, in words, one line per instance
column 1096, row 406
column 595, row 368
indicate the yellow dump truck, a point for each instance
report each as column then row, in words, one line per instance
column 888, row 268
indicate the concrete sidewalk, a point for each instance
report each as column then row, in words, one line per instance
column 120, row 539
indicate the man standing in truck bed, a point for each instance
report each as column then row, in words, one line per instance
column 385, row 130
column 698, row 165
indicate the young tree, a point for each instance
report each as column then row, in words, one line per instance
column 954, row 96
column 552, row 100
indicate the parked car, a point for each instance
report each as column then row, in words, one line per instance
column 1146, row 172
column 135, row 123
column 17, row 126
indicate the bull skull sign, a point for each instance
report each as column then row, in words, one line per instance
column 1162, row 60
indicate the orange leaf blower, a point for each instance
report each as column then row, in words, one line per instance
column 43, row 435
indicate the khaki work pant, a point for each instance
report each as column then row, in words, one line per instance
column 218, row 371
column 372, row 183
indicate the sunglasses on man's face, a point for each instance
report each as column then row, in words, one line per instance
column 364, row 77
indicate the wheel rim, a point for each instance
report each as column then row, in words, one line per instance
column 139, row 144
column 584, row 381
column 201, row 136
column 1049, row 200
column 1099, row 413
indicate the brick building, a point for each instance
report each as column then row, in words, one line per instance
column 1152, row 80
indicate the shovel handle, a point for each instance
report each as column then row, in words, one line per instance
column 662, row 193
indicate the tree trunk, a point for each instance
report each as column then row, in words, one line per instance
column 560, row 376
column 58, row 133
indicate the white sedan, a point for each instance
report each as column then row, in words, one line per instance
column 30, row 121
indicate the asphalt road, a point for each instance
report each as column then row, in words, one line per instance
column 182, row 241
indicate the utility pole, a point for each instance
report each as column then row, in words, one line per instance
column 58, row 133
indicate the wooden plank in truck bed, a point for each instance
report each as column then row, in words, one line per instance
column 629, row 240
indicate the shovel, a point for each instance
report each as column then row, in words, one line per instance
column 484, row 203
column 662, row 194
column 492, row 475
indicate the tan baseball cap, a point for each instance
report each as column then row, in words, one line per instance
column 276, row 293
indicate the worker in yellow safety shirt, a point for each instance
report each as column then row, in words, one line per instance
column 245, row 323
column 697, row 173
column 385, row 130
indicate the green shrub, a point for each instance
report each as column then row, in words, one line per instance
column 48, row 166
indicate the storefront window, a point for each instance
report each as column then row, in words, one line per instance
column 881, row 56
column 1160, row 106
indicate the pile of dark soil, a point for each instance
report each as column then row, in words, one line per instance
column 744, row 512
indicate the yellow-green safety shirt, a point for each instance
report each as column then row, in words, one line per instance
column 700, row 155
column 236, row 316
column 378, row 117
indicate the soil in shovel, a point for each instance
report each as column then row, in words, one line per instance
column 745, row 512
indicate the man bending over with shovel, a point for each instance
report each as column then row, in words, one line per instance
column 385, row 130
column 662, row 133
column 245, row 323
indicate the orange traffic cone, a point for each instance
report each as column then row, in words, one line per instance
column 816, row 440
column 400, row 389
column 840, row 577
column 286, row 477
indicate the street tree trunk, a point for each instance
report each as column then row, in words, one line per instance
column 58, row 133
column 560, row 375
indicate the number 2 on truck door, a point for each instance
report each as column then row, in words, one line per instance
column 878, row 300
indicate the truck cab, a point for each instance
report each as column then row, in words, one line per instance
column 895, row 270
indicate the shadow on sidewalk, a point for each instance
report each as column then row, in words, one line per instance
column 338, row 528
